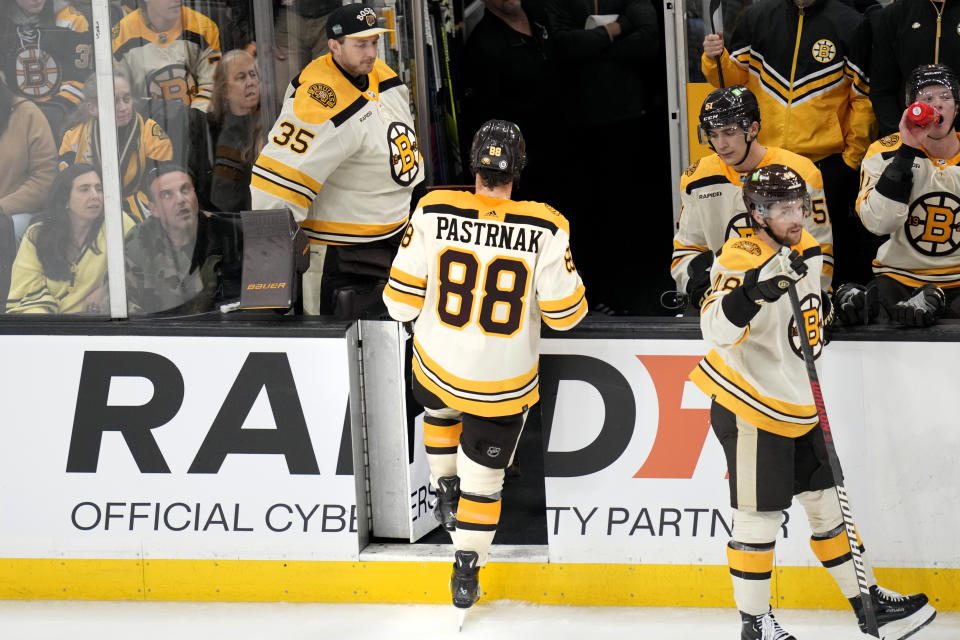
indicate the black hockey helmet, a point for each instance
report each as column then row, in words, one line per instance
column 499, row 146
column 927, row 74
column 731, row 105
column 771, row 184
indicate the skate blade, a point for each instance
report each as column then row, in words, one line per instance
column 461, row 617
column 901, row 629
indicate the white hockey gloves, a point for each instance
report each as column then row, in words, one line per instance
column 771, row 280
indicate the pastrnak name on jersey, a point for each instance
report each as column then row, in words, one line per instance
column 488, row 234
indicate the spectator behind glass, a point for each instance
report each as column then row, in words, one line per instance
column 61, row 266
column 229, row 137
column 613, row 82
column 507, row 56
column 181, row 257
column 142, row 143
column 28, row 159
column 45, row 13
column 171, row 51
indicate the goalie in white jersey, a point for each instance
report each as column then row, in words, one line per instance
column 910, row 189
column 478, row 272
column 763, row 410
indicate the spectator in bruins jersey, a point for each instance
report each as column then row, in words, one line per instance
column 171, row 50
column 228, row 137
column 142, row 143
column 712, row 209
column 343, row 156
column 61, row 266
column 475, row 356
column 44, row 13
column 44, row 59
column 180, row 258
column 805, row 61
column 763, row 410
column 28, row 159
column 910, row 187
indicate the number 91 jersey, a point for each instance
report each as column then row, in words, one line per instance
column 478, row 273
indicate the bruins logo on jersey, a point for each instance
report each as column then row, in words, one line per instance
column 750, row 247
column 739, row 227
column 404, row 153
column 691, row 169
column 38, row 74
column 158, row 132
column 172, row 82
column 813, row 326
column 824, row 50
column 890, row 141
column 323, row 94
column 933, row 224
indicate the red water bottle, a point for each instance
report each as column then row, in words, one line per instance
column 923, row 115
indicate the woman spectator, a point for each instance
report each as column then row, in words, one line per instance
column 228, row 138
column 28, row 158
column 61, row 266
column 142, row 142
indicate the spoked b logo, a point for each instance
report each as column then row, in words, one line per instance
column 812, row 329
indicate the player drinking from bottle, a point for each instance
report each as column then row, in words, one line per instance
column 908, row 189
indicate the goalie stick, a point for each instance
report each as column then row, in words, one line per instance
column 805, row 348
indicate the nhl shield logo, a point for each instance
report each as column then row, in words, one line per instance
column 404, row 153
column 323, row 94
column 493, row 452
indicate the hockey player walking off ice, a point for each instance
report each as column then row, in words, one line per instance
column 763, row 410
column 478, row 272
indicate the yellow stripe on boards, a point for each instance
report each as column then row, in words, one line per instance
column 426, row 582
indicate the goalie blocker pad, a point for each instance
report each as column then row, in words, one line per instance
column 275, row 252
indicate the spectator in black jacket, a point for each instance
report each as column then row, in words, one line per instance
column 507, row 75
column 905, row 37
column 610, row 92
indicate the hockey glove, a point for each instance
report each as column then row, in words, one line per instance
column 856, row 304
column 771, row 280
column 698, row 278
column 922, row 308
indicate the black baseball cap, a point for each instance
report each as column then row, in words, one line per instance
column 353, row 21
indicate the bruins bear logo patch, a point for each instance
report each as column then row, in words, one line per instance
column 691, row 169
column 749, row 247
column 323, row 94
column 891, row 140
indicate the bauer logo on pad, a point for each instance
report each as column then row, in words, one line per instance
column 275, row 252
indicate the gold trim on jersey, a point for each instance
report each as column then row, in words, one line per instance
column 318, row 104
column 479, row 397
column 405, row 288
column 566, row 312
column 943, row 277
column 681, row 251
column 777, row 87
column 340, row 233
column 133, row 26
column 495, row 209
column 732, row 391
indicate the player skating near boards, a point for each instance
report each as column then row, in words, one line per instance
column 764, row 415
column 478, row 272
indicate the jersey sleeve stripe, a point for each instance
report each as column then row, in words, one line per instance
column 348, row 232
column 568, row 321
column 563, row 305
column 408, row 280
column 403, row 297
column 296, row 178
column 280, row 191
column 706, row 182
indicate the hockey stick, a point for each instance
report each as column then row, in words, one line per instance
column 807, row 350
column 712, row 16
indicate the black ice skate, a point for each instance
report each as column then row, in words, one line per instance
column 898, row 616
column 465, row 580
column 448, row 495
column 762, row 627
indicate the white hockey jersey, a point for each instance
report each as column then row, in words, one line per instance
column 177, row 64
column 344, row 161
column 925, row 229
column 478, row 273
column 755, row 367
column 712, row 210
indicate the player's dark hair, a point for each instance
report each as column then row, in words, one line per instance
column 53, row 237
column 491, row 179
